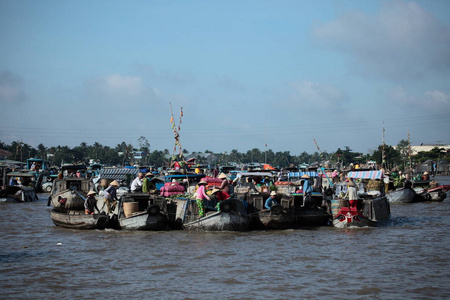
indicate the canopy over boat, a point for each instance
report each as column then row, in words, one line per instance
column 300, row 174
column 118, row 173
column 366, row 174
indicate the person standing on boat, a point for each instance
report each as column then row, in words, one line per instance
column 136, row 185
column 201, row 196
column 352, row 194
column 110, row 195
column 90, row 203
column 224, row 185
column 271, row 201
column 307, row 189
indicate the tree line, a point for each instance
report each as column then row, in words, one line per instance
column 386, row 155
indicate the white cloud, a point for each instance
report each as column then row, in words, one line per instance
column 315, row 95
column 430, row 101
column 403, row 41
column 11, row 88
column 122, row 89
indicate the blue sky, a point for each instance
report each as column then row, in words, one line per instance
column 247, row 73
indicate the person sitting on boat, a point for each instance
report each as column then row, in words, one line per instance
column 110, row 195
column 271, row 201
column 90, row 203
column 136, row 185
column 351, row 194
column 224, row 185
column 201, row 196
column 307, row 189
column 425, row 176
column 148, row 185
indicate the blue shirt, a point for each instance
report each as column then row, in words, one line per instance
column 307, row 188
column 270, row 202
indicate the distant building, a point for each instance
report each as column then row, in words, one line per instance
column 426, row 148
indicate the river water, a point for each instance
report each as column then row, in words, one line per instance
column 408, row 258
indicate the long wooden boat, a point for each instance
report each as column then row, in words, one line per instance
column 437, row 194
column 72, row 190
column 77, row 219
column 16, row 193
column 403, row 195
column 141, row 211
column 373, row 206
column 232, row 216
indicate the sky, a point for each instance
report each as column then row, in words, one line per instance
column 280, row 75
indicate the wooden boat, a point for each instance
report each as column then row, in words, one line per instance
column 77, row 219
column 312, row 213
column 73, row 190
column 373, row 207
column 402, row 195
column 437, row 194
column 15, row 193
column 277, row 217
column 23, row 189
column 141, row 211
column 232, row 216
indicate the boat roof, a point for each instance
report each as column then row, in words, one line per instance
column 300, row 174
column 117, row 173
column 21, row 174
column 366, row 174
column 73, row 167
column 254, row 174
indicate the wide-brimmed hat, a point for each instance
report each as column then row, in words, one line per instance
column 91, row 193
column 273, row 193
column 114, row 182
column 425, row 173
column 149, row 174
column 306, row 176
column 215, row 191
column 202, row 182
column 222, row 175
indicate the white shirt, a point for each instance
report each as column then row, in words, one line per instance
column 136, row 184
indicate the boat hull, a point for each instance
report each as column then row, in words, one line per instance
column 268, row 220
column 78, row 219
column 370, row 212
column 402, row 196
column 145, row 221
column 231, row 217
column 219, row 221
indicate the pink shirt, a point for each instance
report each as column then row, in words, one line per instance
column 201, row 193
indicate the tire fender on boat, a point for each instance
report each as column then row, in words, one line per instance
column 153, row 209
column 276, row 209
column 225, row 206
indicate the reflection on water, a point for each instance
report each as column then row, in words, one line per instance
column 407, row 258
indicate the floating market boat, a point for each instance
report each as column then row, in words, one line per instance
column 20, row 187
column 70, row 191
column 264, row 219
column 77, row 219
column 402, row 195
column 232, row 216
column 141, row 211
column 436, row 194
column 373, row 207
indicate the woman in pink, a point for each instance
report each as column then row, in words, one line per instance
column 200, row 196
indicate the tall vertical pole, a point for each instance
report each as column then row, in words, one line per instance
column 383, row 162
column 409, row 154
